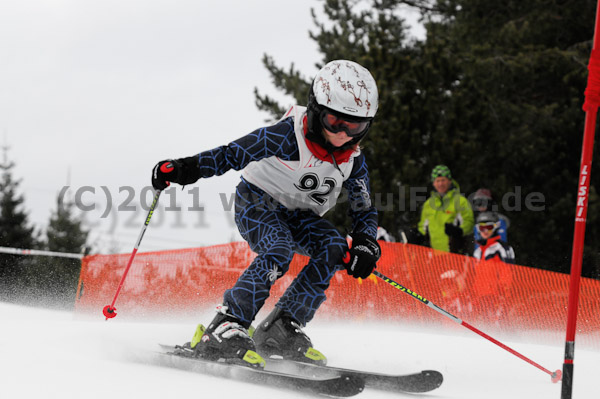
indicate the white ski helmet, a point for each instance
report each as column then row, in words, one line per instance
column 346, row 89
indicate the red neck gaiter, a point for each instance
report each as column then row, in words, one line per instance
column 488, row 242
column 318, row 151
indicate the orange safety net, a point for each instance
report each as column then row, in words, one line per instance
column 512, row 299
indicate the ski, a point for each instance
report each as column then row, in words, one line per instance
column 424, row 381
column 339, row 385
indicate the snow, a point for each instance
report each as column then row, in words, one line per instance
column 56, row 354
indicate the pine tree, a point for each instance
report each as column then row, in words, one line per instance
column 54, row 279
column 15, row 232
column 494, row 91
column 377, row 38
column 513, row 120
column 65, row 232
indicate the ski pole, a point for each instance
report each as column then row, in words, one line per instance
column 109, row 310
column 555, row 376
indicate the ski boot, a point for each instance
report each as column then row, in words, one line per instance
column 280, row 336
column 226, row 340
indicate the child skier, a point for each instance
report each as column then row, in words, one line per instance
column 492, row 278
column 491, row 245
column 292, row 175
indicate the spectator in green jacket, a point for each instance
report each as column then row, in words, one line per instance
column 447, row 216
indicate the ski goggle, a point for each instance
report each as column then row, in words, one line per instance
column 487, row 226
column 336, row 124
column 481, row 203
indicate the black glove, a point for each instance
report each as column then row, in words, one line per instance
column 453, row 231
column 182, row 171
column 361, row 259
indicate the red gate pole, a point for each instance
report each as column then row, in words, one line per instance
column 590, row 106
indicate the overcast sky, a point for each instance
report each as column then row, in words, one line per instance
column 94, row 93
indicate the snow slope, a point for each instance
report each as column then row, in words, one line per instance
column 52, row 354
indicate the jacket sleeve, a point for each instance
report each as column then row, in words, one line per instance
column 424, row 220
column 277, row 140
column 466, row 213
column 510, row 254
column 362, row 211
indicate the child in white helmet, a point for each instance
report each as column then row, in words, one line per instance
column 293, row 172
column 490, row 242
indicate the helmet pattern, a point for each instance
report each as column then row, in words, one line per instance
column 343, row 87
column 346, row 87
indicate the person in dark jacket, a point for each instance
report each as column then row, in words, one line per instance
column 484, row 202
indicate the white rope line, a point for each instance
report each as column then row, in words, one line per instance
column 19, row 251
